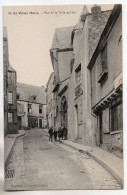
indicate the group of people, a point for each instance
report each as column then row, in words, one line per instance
column 60, row 133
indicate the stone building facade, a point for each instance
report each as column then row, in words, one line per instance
column 61, row 55
column 10, row 102
column 85, row 37
column 87, row 63
column 106, row 84
column 31, row 106
column 50, row 110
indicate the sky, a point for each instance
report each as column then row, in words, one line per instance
column 30, row 37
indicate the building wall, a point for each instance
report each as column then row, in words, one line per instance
column 82, row 124
column 50, row 101
column 64, row 59
column 111, row 139
column 114, row 58
column 35, row 113
column 25, row 113
column 5, row 65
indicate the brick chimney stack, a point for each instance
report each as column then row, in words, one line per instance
column 96, row 10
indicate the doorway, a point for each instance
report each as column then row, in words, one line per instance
column 64, row 112
column 76, row 121
column 40, row 123
column 20, row 122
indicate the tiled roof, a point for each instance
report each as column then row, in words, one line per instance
column 26, row 91
column 96, row 27
column 62, row 38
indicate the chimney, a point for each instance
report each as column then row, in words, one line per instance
column 84, row 13
column 96, row 10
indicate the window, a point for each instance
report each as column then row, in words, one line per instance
column 104, row 66
column 34, row 97
column 57, row 111
column 10, row 117
column 29, row 108
column 9, row 77
column 10, row 97
column 71, row 65
column 78, row 74
column 40, row 109
column 18, row 96
column 78, row 89
column 117, row 117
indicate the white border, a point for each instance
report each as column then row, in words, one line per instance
column 49, row 2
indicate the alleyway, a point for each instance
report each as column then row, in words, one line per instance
column 38, row 164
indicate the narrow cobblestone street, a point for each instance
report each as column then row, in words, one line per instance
column 39, row 164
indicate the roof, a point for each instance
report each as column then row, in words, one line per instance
column 62, row 38
column 5, row 32
column 26, row 91
column 109, row 25
column 94, row 34
column 51, row 75
column 11, row 69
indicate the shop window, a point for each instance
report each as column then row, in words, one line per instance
column 117, row 117
column 10, row 97
column 29, row 108
column 40, row 109
column 10, row 117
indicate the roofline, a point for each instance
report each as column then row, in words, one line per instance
column 31, row 85
column 103, row 39
column 22, row 100
column 49, row 79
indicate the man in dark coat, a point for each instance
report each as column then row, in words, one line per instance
column 50, row 133
column 55, row 135
column 59, row 132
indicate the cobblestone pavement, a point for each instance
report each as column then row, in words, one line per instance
column 14, row 171
column 39, row 165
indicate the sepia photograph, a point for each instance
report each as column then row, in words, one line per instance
column 63, row 97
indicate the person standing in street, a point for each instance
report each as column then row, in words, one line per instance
column 55, row 135
column 59, row 133
column 50, row 133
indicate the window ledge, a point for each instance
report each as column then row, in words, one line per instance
column 107, row 132
column 116, row 132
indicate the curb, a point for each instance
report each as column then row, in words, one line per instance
column 114, row 174
column 6, row 160
column 119, row 179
